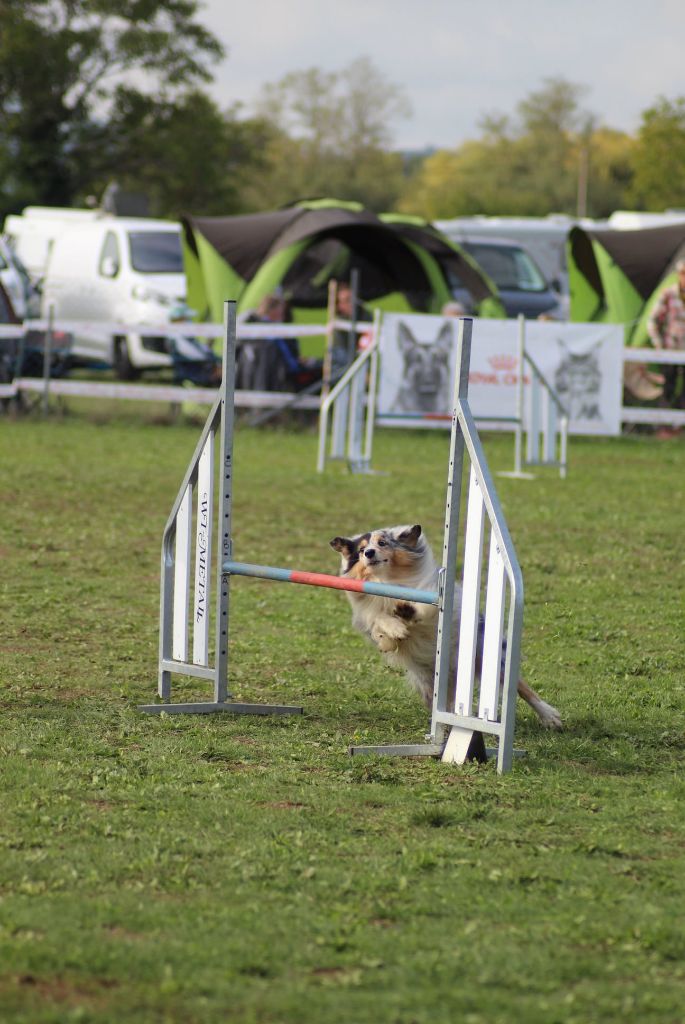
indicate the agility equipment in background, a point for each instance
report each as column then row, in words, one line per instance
column 546, row 426
column 360, row 399
column 492, row 608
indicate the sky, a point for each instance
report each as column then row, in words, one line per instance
column 457, row 60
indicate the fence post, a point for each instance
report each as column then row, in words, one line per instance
column 518, row 437
column 47, row 359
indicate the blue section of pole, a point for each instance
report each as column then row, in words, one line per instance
column 319, row 579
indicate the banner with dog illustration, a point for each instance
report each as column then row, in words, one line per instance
column 583, row 363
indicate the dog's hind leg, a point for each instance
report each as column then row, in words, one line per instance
column 549, row 716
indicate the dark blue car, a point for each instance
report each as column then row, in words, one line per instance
column 521, row 284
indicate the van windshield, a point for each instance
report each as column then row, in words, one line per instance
column 511, row 268
column 156, row 252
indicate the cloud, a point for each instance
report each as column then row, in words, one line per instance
column 457, row 61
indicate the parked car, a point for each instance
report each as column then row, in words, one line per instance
column 17, row 282
column 521, row 284
column 10, row 345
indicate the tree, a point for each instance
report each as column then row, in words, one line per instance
column 61, row 63
column 610, row 169
column 659, row 157
column 547, row 158
column 184, row 154
column 330, row 136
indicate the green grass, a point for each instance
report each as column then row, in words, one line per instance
column 213, row 869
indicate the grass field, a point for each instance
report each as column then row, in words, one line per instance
column 214, row 869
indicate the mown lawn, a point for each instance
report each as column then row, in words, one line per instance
column 213, row 869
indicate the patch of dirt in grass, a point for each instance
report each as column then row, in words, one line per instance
column 116, row 931
column 101, row 805
column 278, row 805
column 62, row 990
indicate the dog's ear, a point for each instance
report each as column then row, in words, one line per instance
column 410, row 537
column 405, row 338
column 343, row 545
column 445, row 339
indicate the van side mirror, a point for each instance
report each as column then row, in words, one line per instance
column 109, row 267
column 555, row 284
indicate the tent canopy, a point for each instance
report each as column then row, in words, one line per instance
column 616, row 276
column 403, row 263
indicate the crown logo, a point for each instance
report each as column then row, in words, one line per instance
column 503, row 363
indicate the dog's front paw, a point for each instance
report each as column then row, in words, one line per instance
column 383, row 642
column 405, row 611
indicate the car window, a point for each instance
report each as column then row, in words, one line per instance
column 156, row 252
column 110, row 259
column 510, row 268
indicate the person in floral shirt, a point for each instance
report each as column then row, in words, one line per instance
column 666, row 328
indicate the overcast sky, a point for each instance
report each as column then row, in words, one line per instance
column 459, row 59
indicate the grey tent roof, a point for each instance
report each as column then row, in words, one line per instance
column 644, row 254
column 381, row 248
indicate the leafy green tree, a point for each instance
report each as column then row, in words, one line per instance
column 331, row 133
column 547, row 158
column 61, row 63
column 659, row 157
column 184, row 154
column 610, row 169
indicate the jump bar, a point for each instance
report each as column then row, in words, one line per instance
column 320, row 579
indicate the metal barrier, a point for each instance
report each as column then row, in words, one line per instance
column 176, row 561
column 456, row 720
column 351, row 402
column 545, row 427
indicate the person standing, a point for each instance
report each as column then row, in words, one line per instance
column 666, row 329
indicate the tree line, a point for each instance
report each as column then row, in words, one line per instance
column 98, row 90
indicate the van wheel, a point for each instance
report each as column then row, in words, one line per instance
column 123, row 367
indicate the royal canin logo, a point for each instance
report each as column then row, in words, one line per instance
column 503, row 363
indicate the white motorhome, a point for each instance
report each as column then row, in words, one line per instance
column 630, row 220
column 99, row 267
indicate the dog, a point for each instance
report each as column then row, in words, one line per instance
column 405, row 632
column 426, row 377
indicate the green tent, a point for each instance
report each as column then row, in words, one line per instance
column 617, row 276
column 404, row 264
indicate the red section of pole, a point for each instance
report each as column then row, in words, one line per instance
column 320, row 579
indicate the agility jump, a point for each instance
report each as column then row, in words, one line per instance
column 455, row 734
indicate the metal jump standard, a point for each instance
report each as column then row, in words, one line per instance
column 462, row 711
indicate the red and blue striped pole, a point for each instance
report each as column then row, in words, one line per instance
column 320, row 579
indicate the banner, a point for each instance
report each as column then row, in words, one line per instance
column 582, row 363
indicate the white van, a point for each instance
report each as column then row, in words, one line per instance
column 116, row 270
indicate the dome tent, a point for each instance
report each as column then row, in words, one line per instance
column 616, row 276
column 402, row 262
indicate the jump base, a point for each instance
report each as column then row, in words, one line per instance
column 400, row 750
column 476, row 751
column 209, row 707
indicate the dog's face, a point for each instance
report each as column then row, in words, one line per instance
column 426, row 367
column 381, row 555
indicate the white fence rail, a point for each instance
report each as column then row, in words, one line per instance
column 349, row 442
